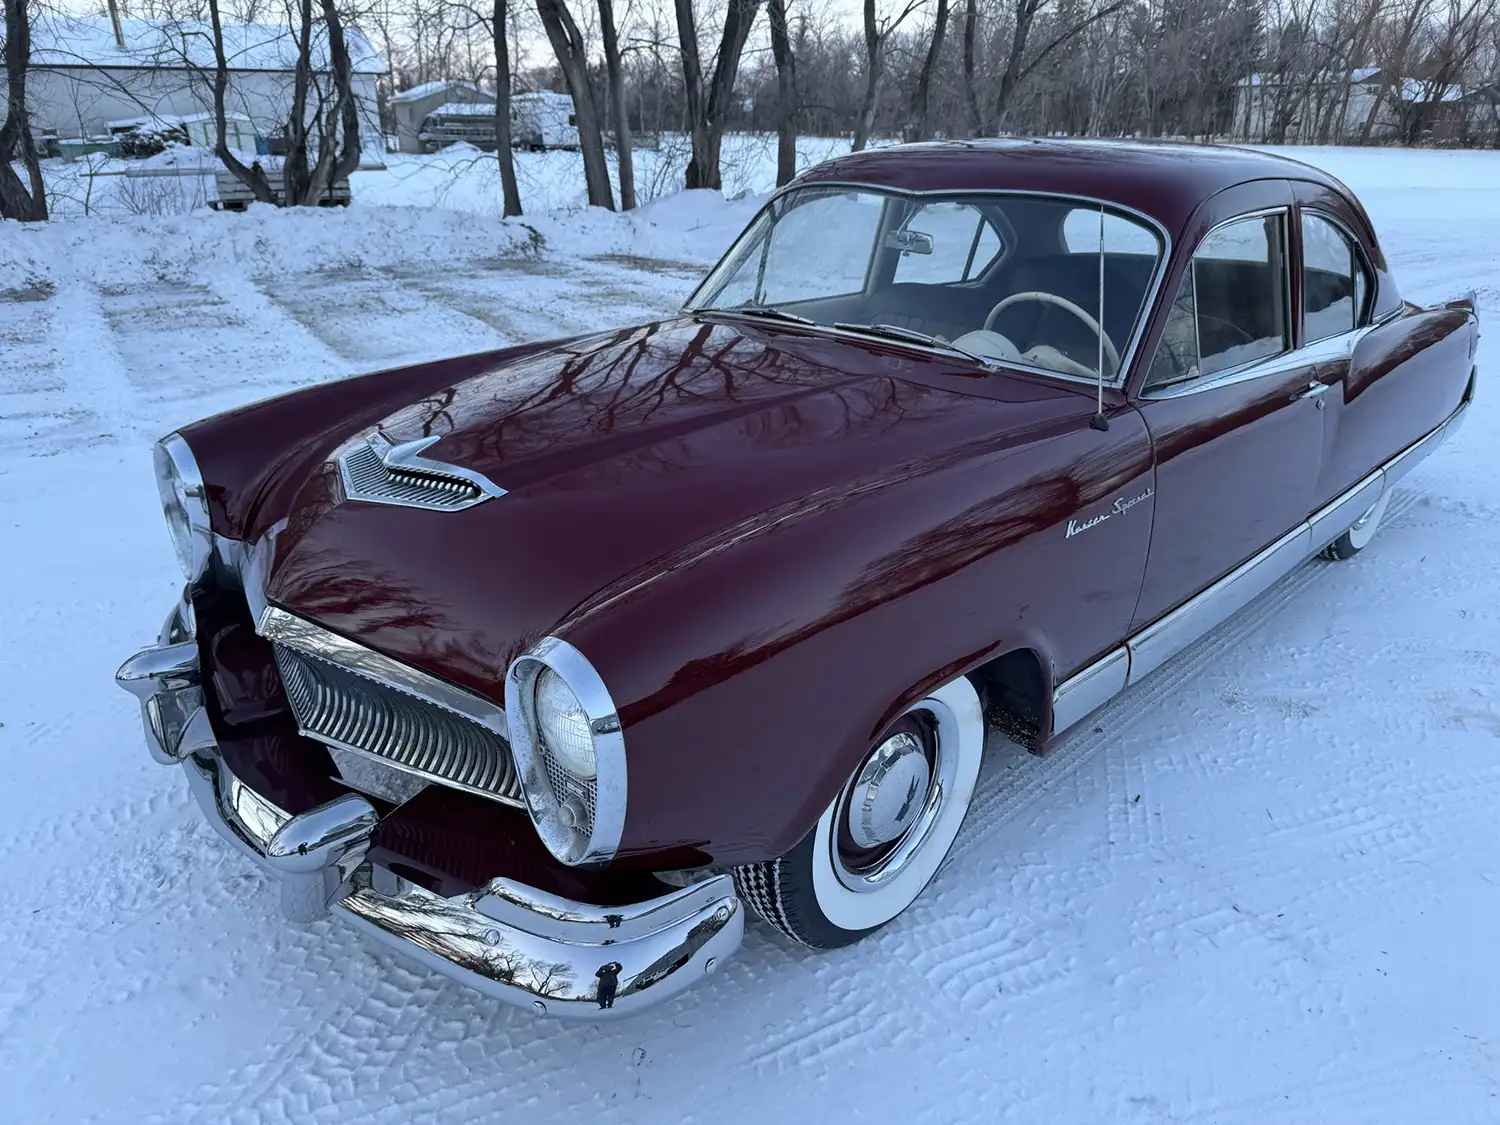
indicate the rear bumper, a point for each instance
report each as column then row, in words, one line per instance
column 547, row 954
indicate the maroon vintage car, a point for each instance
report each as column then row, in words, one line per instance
column 542, row 665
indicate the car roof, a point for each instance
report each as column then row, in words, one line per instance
column 1162, row 179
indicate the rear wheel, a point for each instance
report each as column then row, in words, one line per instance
column 1353, row 541
column 882, row 839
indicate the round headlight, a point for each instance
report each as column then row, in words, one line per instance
column 564, row 726
column 184, row 504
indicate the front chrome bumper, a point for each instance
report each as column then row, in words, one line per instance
column 507, row 940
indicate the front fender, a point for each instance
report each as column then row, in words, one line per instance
column 752, row 676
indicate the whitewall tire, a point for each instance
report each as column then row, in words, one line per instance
column 882, row 839
column 1353, row 541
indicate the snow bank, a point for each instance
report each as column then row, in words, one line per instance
column 261, row 242
column 118, row 230
column 266, row 242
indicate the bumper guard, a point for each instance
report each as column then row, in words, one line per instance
column 507, row 940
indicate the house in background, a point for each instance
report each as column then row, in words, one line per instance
column 411, row 108
column 1335, row 106
column 1296, row 109
column 86, row 77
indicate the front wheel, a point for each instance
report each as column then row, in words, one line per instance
column 882, row 839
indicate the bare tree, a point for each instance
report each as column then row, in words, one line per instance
column 877, row 32
column 503, row 155
column 17, row 200
column 971, row 89
column 786, row 93
column 708, row 110
column 922, row 97
column 1025, row 16
column 324, row 117
column 1396, row 59
column 252, row 176
column 617, row 104
column 572, row 60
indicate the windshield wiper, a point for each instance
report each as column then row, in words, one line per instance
column 912, row 336
column 765, row 312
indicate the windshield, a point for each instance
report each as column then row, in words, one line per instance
column 1007, row 278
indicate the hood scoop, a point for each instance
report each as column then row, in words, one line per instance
column 376, row 471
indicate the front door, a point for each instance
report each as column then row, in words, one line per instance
column 1234, row 412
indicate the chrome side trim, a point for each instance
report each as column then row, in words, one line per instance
column 1157, row 643
column 1408, row 459
column 1149, row 648
column 1339, row 514
column 276, row 624
column 1086, row 692
column 1143, row 315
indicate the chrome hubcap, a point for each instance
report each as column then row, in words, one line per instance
column 888, row 807
column 889, row 792
column 1364, row 519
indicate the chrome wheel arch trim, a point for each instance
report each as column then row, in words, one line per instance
column 1147, row 649
column 956, row 710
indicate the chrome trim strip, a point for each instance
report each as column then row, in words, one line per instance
column 1082, row 694
column 276, row 624
column 1149, row 648
column 1157, row 643
column 1408, row 459
column 1143, row 315
column 610, row 786
column 1339, row 514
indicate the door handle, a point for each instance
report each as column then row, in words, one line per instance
column 1314, row 390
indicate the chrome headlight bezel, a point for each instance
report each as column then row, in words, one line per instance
column 184, row 505
column 607, row 788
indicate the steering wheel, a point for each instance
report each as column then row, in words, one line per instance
column 1066, row 305
column 1245, row 337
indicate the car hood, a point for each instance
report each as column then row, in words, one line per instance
column 653, row 443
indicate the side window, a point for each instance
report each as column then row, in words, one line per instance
column 958, row 244
column 1231, row 307
column 1333, row 280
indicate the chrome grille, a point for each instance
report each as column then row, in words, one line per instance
column 375, row 471
column 354, row 712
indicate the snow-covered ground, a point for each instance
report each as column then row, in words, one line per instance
column 1265, row 885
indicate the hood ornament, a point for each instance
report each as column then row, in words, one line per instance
column 377, row 471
